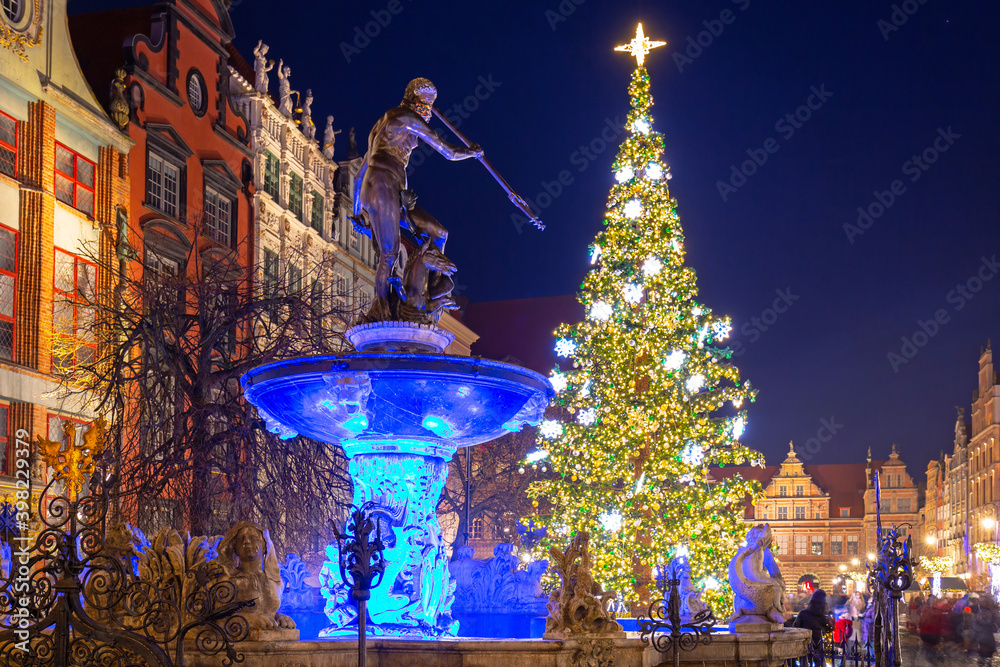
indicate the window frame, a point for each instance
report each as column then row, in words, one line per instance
column 217, row 197
column 852, row 545
column 800, row 513
column 12, row 320
column 275, row 183
column 836, row 545
column 816, row 545
column 295, row 197
column 166, row 161
column 801, row 545
column 14, row 147
column 74, row 179
column 270, row 278
column 318, row 224
column 782, row 514
column 477, row 528
column 76, row 300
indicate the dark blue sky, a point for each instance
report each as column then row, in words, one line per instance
column 555, row 85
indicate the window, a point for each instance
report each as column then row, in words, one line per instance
column 836, row 545
column 782, row 513
column 800, row 545
column 799, row 491
column 903, row 505
column 74, row 340
column 340, row 290
column 783, row 491
column 197, row 98
column 8, row 284
column 899, row 481
column 845, row 512
column 271, row 174
column 476, row 530
column 13, row 10
column 218, row 216
column 75, row 179
column 270, row 270
column 355, row 238
column 782, row 544
column 800, row 512
column 817, row 545
column 8, row 145
column 157, row 267
column 295, row 196
column 852, row 545
column 317, row 211
column 294, row 279
column 162, row 185
column 886, row 506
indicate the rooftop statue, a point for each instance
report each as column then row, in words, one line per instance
column 261, row 66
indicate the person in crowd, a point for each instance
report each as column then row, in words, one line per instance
column 985, row 623
column 932, row 627
column 816, row 618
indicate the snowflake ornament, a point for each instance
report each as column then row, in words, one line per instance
column 550, row 429
column 695, row 383
column 565, row 347
column 693, row 454
column 651, row 267
column 624, row 174
column 633, row 209
column 601, row 311
column 674, row 360
column 632, row 293
column 587, row 417
column 654, row 171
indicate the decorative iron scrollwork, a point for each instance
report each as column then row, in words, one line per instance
column 664, row 630
column 76, row 597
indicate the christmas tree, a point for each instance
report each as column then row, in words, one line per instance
column 650, row 401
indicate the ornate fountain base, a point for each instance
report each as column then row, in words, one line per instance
column 404, row 479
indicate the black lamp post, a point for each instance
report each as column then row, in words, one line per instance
column 361, row 564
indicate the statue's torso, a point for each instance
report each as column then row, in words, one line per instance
column 391, row 142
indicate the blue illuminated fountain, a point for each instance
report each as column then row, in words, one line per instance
column 400, row 416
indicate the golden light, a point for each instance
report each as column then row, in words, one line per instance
column 988, row 523
column 930, row 540
column 871, row 556
column 843, row 568
column 855, row 561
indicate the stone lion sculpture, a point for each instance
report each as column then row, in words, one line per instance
column 756, row 581
column 248, row 556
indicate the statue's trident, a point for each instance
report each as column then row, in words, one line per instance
column 513, row 196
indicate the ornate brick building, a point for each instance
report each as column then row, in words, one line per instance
column 823, row 516
column 64, row 177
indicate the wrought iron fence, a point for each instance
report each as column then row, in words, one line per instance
column 73, row 596
column 850, row 651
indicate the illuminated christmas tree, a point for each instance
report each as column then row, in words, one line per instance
column 649, row 397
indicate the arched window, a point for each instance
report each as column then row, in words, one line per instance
column 476, row 532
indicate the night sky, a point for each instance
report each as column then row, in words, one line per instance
column 890, row 85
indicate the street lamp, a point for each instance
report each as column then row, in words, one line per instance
column 855, row 562
column 930, row 540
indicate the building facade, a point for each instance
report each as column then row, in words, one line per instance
column 823, row 516
column 64, row 179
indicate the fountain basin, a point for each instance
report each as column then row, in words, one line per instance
column 400, row 417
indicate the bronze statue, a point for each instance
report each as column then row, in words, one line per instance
column 383, row 203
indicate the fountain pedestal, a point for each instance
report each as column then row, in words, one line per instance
column 400, row 417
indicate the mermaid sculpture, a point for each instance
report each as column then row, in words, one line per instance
column 756, row 581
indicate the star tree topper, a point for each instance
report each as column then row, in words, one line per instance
column 639, row 46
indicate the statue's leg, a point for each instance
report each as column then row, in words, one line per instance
column 381, row 200
column 425, row 223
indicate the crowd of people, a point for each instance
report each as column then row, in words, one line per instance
column 948, row 628
column 966, row 625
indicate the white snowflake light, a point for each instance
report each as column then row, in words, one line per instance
column 536, row 456
column 641, row 125
column 559, row 381
column 654, row 171
column 651, row 266
column 612, row 521
column 587, row 416
column 624, row 174
column 595, row 253
column 674, row 360
column 601, row 311
column 693, row 454
column 565, row 347
column 739, row 426
column 696, row 311
column 722, row 329
column 633, row 209
column 738, row 401
column 682, row 551
column 711, row 583
column 695, row 383
column 633, row 293
column 550, row 429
